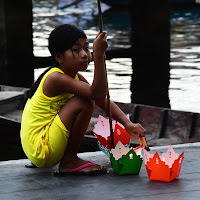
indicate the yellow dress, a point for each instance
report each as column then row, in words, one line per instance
column 44, row 137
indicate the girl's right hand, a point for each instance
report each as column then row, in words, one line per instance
column 133, row 128
column 100, row 44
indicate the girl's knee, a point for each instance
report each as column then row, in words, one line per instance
column 83, row 104
column 88, row 104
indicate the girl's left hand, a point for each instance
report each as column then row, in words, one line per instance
column 132, row 129
column 100, row 43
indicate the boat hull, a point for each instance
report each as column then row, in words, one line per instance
column 164, row 126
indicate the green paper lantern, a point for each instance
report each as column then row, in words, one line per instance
column 127, row 164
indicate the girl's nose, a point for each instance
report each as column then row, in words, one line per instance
column 83, row 54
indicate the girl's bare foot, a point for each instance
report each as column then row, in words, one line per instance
column 78, row 162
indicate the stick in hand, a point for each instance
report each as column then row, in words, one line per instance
column 108, row 95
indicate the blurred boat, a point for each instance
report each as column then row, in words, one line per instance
column 164, row 126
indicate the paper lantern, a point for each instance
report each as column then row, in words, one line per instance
column 102, row 132
column 126, row 160
column 164, row 168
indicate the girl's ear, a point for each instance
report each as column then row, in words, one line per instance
column 58, row 57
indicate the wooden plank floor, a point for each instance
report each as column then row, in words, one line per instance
column 20, row 183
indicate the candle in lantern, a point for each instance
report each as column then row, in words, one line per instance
column 131, row 156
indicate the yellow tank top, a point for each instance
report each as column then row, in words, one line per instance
column 39, row 113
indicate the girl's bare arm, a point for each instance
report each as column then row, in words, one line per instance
column 99, row 82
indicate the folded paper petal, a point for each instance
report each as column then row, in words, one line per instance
column 176, row 167
column 102, row 127
column 147, row 156
column 169, row 157
column 119, row 150
column 120, row 134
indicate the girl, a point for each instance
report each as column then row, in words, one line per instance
column 61, row 103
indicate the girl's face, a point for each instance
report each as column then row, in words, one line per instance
column 75, row 59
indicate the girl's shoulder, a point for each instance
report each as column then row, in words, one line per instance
column 54, row 69
column 55, row 81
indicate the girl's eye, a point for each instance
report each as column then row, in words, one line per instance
column 75, row 50
column 87, row 48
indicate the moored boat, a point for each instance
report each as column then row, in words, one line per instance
column 164, row 126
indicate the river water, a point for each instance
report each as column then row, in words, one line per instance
column 184, row 88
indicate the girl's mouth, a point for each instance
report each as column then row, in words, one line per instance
column 85, row 63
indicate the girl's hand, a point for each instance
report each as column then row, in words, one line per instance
column 132, row 129
column 100, row 44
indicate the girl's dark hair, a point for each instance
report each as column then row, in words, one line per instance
column 61, row 39
column 37, row 82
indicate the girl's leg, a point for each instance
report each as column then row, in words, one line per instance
column 76, row 115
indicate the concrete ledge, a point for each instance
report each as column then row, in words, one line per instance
column 19, row 183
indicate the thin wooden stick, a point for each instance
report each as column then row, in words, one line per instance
column 108, row 95
column 100, row 16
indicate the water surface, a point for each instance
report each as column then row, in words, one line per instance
column 184, row 88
